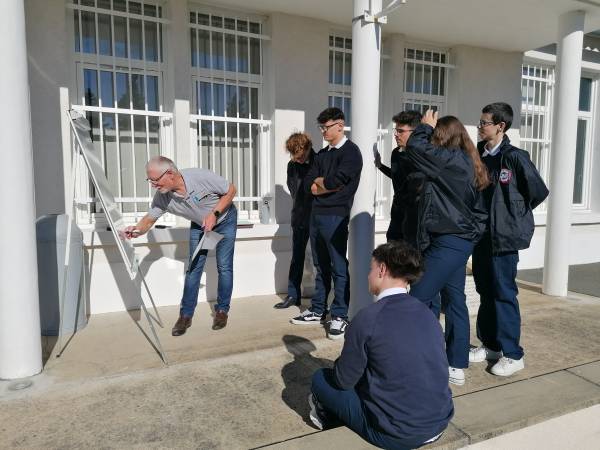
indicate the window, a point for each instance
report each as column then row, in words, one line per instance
column 583, row 143
column 119, row 71
column 227, row 127
column 537, row 82
column 340, row 74
column 425, row 79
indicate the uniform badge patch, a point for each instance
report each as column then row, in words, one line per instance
column 505, row 176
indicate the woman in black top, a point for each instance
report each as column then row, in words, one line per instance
column 451, row 219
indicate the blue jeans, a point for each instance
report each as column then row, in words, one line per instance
column 300, row 237
column 499, row 317
column 224, row 253
column 445, row 271
column 347, row 407
column 329, row 242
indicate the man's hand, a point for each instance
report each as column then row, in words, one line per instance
column 377, row 157
column 131, row 232
column 209, row 222
column 430, row 118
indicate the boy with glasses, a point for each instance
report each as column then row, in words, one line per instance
column 333, row 180
column 405, row 182
column 516, row 189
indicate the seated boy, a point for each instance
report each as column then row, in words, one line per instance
column 390, row 384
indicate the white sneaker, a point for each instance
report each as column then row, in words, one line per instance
column 337, row 328
column 480, row 354
column 457, row 376
column 314, row 415
column 505, row 367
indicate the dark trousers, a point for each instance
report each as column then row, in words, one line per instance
column 444, row 281
column 329, row 242
column 300, row 235
column 347, row 407
column 394, row 231
column 499, row 317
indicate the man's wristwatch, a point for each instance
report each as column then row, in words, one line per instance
column 217, row 213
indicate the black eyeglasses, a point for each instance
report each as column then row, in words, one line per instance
column 399, row 131
column 485, row 123
column 324, row 128
column 156, row 180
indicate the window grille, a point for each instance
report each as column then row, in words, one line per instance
column 118, row 53
column 425, row 79
column 340, row 74
column 229, row 135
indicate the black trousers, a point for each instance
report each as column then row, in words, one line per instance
column 300, row 236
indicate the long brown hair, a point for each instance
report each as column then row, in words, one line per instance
column 451, row 133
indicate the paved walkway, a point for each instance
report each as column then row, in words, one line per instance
column 583, row 278
column 246, row 386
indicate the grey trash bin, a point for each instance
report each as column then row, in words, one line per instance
column 51, row 231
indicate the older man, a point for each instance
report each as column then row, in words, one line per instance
column 204, row 198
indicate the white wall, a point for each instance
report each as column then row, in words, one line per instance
column 483, row 76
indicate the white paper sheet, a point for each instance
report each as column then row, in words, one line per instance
column 208, row 242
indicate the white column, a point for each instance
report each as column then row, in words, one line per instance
column 562, row 162
column 366, row 42
column 20, row 340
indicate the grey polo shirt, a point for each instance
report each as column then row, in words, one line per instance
column 204, row 189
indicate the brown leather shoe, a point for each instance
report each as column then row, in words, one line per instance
column 182, row 324
column 220, row 320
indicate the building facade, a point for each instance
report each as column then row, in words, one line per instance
column 221, row 86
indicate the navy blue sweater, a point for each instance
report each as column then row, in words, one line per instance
column 340, row 168
column 394, row 357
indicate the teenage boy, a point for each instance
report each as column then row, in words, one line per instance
column 390, row 384
column 299, row 146
column 516, row 189
column 406, row 182
column 333, row 180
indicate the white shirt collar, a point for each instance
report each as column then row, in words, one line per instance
column 339, row 144
column 391, row 291
column 493, row 151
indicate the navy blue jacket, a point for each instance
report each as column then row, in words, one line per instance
column 341, row 168
column 407, row 184
column 296, row 174
column 518, row 188
column 449, row 202
column 394, row 356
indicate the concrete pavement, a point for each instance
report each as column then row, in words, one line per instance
column 246, row 386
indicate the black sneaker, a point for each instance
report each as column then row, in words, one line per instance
column 337, row 328
column 307, row 318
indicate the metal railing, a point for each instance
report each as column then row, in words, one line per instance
column 126, row 139
column 238, row 149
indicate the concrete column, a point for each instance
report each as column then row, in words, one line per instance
column 366, row 48
column 20, row 339
column 562, row 160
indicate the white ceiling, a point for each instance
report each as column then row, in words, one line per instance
column 512, row 25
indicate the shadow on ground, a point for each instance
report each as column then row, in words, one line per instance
column 297, row 375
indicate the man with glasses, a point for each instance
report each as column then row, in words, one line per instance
column 516, row 189
column 333, row 180
column 204, row 198
column 405, row 182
